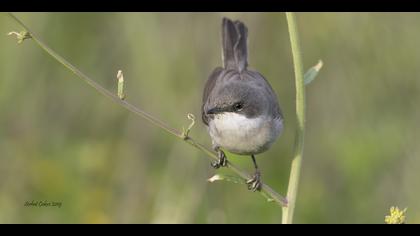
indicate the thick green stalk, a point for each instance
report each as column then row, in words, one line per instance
column 300, row 113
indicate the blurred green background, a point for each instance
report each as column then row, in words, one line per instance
column 62, row 141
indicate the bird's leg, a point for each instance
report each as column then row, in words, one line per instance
column 222, row 162
column 255, row 183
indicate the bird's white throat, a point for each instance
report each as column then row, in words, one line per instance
column 239, row 134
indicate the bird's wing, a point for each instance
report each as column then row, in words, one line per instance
column 211, row 81
column 275, row 109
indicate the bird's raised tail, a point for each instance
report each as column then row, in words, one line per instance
column 235, row 51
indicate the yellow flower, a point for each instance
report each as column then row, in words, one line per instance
column 396, row 216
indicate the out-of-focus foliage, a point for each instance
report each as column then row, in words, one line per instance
column 62, row 141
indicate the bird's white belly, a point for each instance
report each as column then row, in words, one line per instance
column 241, row 135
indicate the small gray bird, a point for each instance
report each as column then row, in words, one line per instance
column 239, row 106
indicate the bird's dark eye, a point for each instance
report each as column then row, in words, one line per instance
column 238, row 106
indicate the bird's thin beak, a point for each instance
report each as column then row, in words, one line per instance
column 214, row 110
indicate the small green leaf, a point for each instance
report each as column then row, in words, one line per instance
column 21, row 36
column 233, row 179
column 120, row 79
column 185, row 132
column 312, row 73
column 236, row 180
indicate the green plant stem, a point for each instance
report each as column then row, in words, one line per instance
column 300, row 113
column 266, row 190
